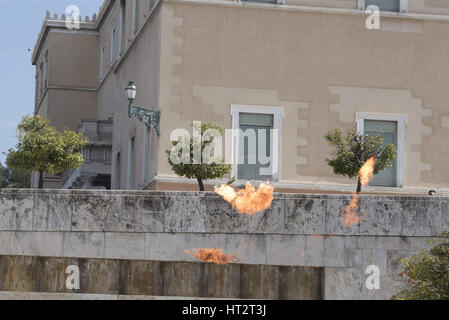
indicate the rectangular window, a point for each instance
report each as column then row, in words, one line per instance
column 102, row 54
column 386, row 5
column 112, row 60
column 255, row 146
column 147, row 154
column 46, row 69
column 256, row 142
column 122, row 26
column 393, row 128
column 41, row 70
column 389, row 130
column 117, row 171
column 131, row 164
column 263, row 1
column 135, row 16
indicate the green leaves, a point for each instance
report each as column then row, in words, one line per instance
column 427, row 273
column 351, row 151
column 215, row 169
column 42, row 147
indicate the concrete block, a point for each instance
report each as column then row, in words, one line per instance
column 140, row 214
column 342, row 284
column 11, row 243
column 315, row 251
column 60, row 296
column 375, row 257
column 353, row 258
column 394, row 265
column 217, row 214
column 135, row 298
column 18, row 296
column 269, row 221
column 383, row 293
column 43, row 244
column 165, row 246
column 184, row 214
column 421, row 218
column 52, row 213
column 199, row 241
column 367, row 242
column 380, row 217
column 91, row 213
column 250, row 249
column 101, row 297
column 84, row 244
column 334, row 224
column 421, row 243
column 395, row 243
column 286, row 250
column 369, row 216
column 125, row 245
column 16, row 212
column 305, row 216
column 334, row 251
column 445, row 215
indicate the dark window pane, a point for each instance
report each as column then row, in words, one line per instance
column 384, row 5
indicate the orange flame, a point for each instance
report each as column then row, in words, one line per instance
column 248, row 201
column 350, row 217
column 214, row 255
column 367, row 170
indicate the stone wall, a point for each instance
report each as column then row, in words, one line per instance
column 298, row 230
column 161, row 278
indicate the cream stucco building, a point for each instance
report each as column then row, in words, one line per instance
column 300, row 66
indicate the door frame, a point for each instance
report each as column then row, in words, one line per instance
column 401, row 120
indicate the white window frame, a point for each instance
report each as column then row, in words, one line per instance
column 403, row 5
column 278, row 113
column 401, row 120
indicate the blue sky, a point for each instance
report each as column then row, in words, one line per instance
column 20, row 22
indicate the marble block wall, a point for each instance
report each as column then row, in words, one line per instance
column 298, row 230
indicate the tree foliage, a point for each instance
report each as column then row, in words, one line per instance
column 43, row 148
column 427, row 273
column 14, row 178
column 351, row 151
column 215, row 169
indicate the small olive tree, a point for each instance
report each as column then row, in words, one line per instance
column 427, row 273
column 351, row 151
column 43, row 148
column 181, row 157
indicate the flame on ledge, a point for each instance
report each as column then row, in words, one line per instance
column 213, row 255
column 248, row 201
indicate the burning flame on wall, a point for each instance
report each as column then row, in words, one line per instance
column 350, row 217
column 214, row 255
column 248, row 201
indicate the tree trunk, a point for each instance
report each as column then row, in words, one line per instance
column 200, row 183
column 359, row 185
column 41, row 179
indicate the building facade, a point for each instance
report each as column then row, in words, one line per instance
column 296, row 68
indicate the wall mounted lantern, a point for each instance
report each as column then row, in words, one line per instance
column 148, row 117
